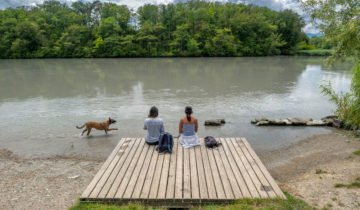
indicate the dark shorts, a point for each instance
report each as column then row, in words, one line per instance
column 152, row 143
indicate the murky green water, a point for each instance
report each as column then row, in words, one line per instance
column 42, row 100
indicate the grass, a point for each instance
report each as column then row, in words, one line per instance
column 319, row 171
column 277, row 203
column 357, row 152
column 317, row 52
column 97, row 206
column 352, row 185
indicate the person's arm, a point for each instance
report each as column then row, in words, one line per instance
column 196, row 125
column 145, row 125
column 162, row 128
column 180, row 126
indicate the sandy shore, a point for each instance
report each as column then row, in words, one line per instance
column 52, row 183
column 57, row 183
column 294, row 169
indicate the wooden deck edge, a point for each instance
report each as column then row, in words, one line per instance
column 170, row 203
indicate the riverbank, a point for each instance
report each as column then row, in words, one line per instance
column 311, row 168
column 58, row 182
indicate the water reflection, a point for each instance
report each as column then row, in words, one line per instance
column 41, row 100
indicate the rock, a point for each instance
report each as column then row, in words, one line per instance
column 253, row 121
column 263, row 123
column 261, row 119
column 287, row 122
column 316, row 123
column 222, row 121
column 73, row 177
column 216, row 122
column 329, row 121
column 297, row 121
column 329, row 117
column 357, row 133
column 276, row 122
column 337, row 123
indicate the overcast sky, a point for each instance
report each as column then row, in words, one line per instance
column 134, row 4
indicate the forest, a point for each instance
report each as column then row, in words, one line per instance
column 193, row 28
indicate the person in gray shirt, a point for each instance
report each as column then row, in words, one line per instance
column 154, row 127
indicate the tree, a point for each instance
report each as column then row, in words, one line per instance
column 339, row 21
column 190, row 28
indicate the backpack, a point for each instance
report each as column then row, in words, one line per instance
column 166, row 143
column 210, row 142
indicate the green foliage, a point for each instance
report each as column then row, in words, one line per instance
column 357, row 153
column 319, row 171
column 352, row 185
column 320, row 42
column 85, row 206
column 193, row 28
column 339, row 21
column 304, row 46
column 315, row 52
column 257, row 203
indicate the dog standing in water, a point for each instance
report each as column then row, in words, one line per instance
column 98, row 125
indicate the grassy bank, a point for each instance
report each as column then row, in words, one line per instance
column 318, row 52
column 290, row 203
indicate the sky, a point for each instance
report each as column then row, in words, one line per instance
column 134, row 4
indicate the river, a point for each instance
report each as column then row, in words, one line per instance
column 41, row 100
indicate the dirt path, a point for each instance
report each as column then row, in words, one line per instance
column 294, row 168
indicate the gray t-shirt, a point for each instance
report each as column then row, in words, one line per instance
column 155, row 127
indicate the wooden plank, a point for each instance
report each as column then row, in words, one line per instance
column 142, row 174
column 149, row 176
column 115, row 185
column 201, row 173
column 216, row 176
column 107, row 173
column 156, row 179
column 170, row 190
column 229, row 172
column 101, row 171
column 237, row 173
column 211, row 190
column 250, row 170
column 268, row 176
column 187, row 178
column 195, row 192
column 136, row 173
column 164, row 177
column 129, row 172
column 259, row 174
column 249, row 183
column 112, row 176
column 223, row 174
column 179, row 172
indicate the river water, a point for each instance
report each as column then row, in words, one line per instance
column 41, row 100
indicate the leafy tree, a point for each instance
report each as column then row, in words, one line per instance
column 192, row 28
column 339, row 21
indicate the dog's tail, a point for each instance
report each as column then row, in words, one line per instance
column 79, row 127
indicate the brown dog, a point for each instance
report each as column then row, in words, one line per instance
column 98, row 125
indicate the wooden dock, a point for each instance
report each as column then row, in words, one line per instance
column 136, row 172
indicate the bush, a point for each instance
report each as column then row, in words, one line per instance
column 315, row 52
column 347, row 104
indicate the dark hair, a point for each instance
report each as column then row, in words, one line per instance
column 188, row 112
column 154, row 112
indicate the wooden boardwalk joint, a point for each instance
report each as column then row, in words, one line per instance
column 136, row 172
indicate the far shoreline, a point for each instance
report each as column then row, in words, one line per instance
column 264, row 56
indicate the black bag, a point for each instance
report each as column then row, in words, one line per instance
column 210, row 142
column 166, row 143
